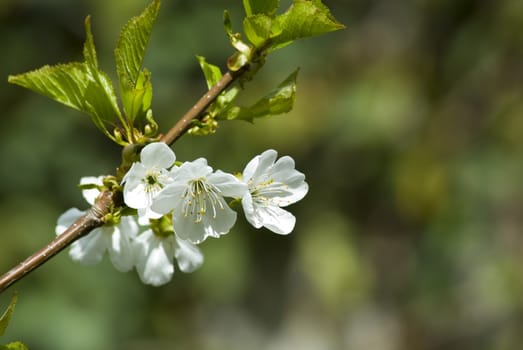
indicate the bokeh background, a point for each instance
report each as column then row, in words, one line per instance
column 408, row 125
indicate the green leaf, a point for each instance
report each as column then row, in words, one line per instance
column 79, row 85
column 137, row 101
column 89, row 49
column 132, row 43
column 257, row 29
column 305, row 18
column 135, row 84
column 211, row 72
column 65, row 83
column 16, row 346
column 100, row 97
column 253, row 7
column 6, row 317
column 72, row 85
column 281, row 100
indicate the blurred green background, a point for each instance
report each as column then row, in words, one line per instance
column 408, row 126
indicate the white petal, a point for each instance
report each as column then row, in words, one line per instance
column 67, row 219
column 90, row 195
column 189, row 257
column 192, row 170
column 90, row 249
column 135, row 195
column 248, row 210
column 250, row 168
column 289, row 194
column 153, row 258
column 294, row 181
column 168, row 198
column 259, row 164
column 267, row 160
column 120, row 250
column 228, row 184
column 210, row 226
column 135, row 174
column 276, row 219
column 145, row 214
column 157, row 154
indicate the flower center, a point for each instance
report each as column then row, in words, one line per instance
column 152, row 183
column 199, row 198
column 268, row 191
column 151, row 179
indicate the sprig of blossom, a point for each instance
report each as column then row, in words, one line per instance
column 180, row 207
column 130, row 245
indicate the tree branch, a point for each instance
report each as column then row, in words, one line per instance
column 95, row 215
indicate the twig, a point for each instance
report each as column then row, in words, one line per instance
column 94, row 216
column 196, row 111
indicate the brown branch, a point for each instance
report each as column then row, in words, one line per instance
column 81, row 227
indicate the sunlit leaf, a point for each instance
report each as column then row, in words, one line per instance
column 135, row 85
column 89, row 50
column 257, row 29
column 79, row 85
column 305, row 18
column 253, row 7
column 100, row 96
column 132, row 43
column 65, row 83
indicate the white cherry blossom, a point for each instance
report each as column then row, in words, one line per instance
column 272, row 185
column 196, row 199
column 146, row 178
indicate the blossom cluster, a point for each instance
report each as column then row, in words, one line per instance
column 178, row 206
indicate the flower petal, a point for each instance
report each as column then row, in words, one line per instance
column 277, row 220
column 153, row 258
column 192, row 170
column 67, row 219
column 293, row 181
column 144, row 214
column 120, row 250
column 168, row 198
column 259, row 164
column 157, row 154
column 250, row 213
column 189, row 257
column 137, row 172
column 90, row 195
column 187, row 228
column 90, row 249
column 227, row 184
